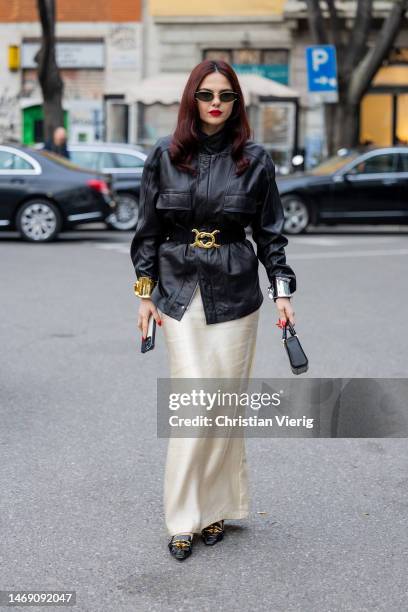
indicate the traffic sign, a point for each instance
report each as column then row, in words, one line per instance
column 322, row 71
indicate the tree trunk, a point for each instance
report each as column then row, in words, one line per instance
column 48, row 73
column 357, row 63
column 342, row 125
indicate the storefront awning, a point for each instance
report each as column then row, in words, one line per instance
column 167, row 88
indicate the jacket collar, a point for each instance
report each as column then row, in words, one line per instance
column 215, row 143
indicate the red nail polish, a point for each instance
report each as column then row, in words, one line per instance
column 159, row 322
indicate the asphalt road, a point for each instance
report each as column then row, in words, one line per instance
column 81, row 466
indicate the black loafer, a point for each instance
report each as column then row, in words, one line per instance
column 181, row 546
column 213, row 533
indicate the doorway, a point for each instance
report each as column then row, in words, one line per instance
column 33, row 124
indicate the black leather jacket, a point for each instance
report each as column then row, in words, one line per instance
column 215, row 199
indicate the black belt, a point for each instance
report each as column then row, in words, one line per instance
column 206, row 238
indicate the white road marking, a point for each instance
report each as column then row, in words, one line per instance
column 125, row 250
column 114, row 246
column 338, row 240
column 312, row 241
column 341, row 254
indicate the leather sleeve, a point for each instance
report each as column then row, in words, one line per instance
column 267, row 227
column 148, row 232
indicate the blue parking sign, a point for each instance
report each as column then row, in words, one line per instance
column 321, row 68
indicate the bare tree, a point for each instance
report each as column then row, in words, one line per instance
column 357, row 62
column 49, row 77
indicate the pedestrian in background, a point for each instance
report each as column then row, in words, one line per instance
column 58, row 143
column 197, row 274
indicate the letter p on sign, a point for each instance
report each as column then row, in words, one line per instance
column 319, row 57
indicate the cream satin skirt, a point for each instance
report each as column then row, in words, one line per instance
column 206, row 478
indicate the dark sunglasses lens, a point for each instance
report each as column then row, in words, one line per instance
column 204, row 96
column 207, row 96
column 228, row 96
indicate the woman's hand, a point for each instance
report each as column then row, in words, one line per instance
column 146, row 308
column 285, row 309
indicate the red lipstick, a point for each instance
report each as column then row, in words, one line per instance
column 215, row 113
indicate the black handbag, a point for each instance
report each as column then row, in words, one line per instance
column 297, row 358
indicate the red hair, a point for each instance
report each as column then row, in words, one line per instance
column 185, row 139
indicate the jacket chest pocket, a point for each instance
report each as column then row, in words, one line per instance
column 174, row 200
column 239, row 203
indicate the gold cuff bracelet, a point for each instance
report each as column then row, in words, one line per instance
column 144, row 286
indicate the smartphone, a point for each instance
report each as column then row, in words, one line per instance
column 148, row 344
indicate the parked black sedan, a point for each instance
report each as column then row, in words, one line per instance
column 124, row 164
column 367, row 185
column 42, row 194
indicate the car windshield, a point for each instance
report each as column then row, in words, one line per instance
column 334, row 163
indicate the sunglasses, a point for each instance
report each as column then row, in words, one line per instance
column 208, row 96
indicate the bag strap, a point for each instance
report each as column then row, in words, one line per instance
column 291, row 329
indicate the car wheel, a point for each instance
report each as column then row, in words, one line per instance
column 296, row 214
column 38, row 220
column 126, row 214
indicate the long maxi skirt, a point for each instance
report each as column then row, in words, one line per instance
column 206, row 478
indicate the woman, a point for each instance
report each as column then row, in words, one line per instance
column 198, row 276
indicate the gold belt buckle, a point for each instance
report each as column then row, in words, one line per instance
column 200, row 235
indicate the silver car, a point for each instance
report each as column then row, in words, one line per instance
column 124, row 163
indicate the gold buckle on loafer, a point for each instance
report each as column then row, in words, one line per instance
column 183, row 544
column 214, row 528
column 201, row 235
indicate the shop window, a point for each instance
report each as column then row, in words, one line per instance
column 218, row 54
column 376, row 119
column 268, row 63
column 246, row 56
column 276, row 128
column 402, row 119
column 156, row 120
column 117, row 121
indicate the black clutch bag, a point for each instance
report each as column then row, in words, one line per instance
column 297, row 358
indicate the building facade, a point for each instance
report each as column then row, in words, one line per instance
column 252, row 36
column 100, row 57
column 108, row 50
column 269, row 37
